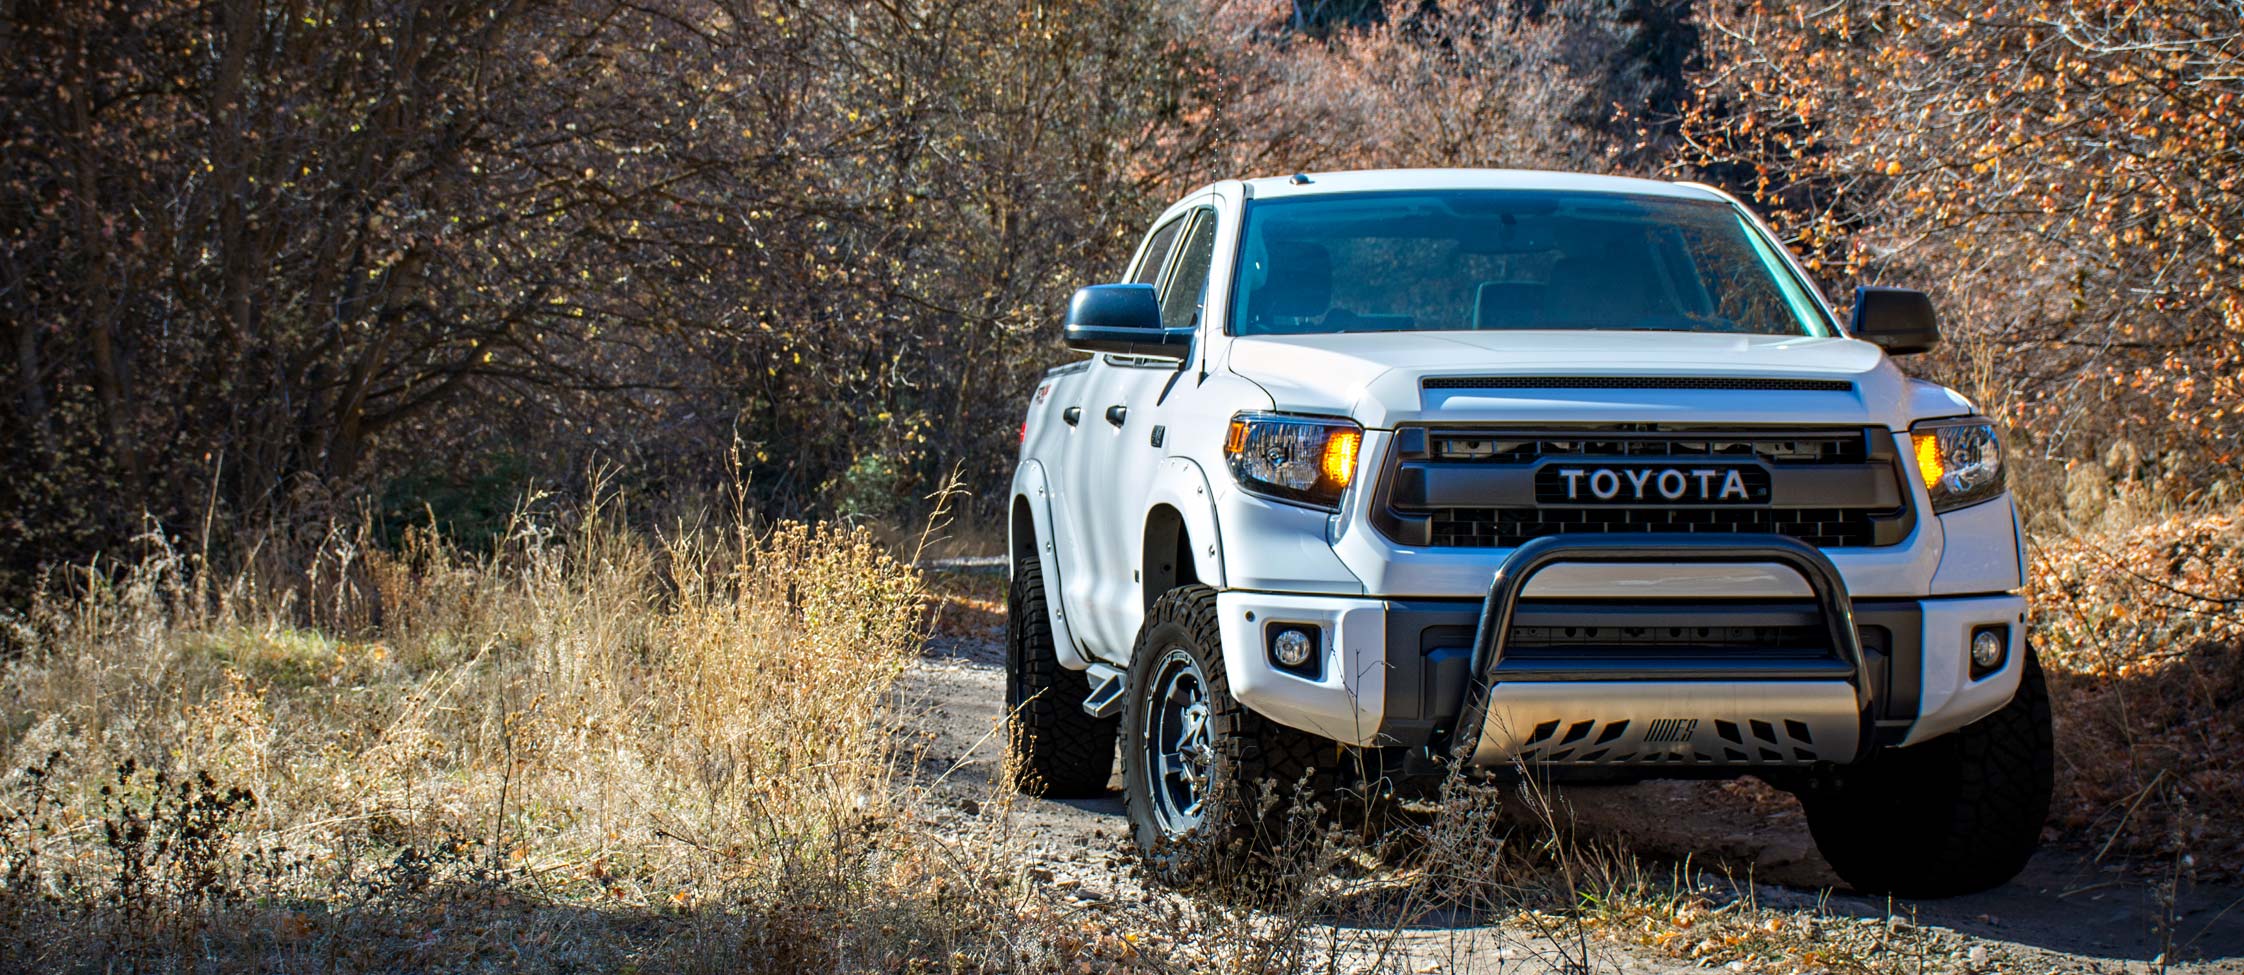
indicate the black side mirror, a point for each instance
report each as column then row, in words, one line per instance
column 1124, row 319
column 1897, row 320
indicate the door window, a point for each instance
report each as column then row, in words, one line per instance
column 1157, row 252
column 1188, row 284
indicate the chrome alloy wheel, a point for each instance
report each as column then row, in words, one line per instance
column 1179, row 748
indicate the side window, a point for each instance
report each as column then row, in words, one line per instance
column 1188, row 284
column 1157, row 252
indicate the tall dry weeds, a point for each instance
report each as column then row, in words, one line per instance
column 586, row 728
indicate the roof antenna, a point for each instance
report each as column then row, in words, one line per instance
column 1299, row 179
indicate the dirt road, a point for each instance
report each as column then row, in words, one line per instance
column 2066, row 914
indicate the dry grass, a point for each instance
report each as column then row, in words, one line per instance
column 591, row 747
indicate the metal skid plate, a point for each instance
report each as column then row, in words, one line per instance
column 1669, row 723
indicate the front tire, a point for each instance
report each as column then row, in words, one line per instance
column 1955, row 815
column 1056, row 749
column 1208, row 784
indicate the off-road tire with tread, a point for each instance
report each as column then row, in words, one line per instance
column 1055, row 748
column 1955, row 815
column 1266, row 780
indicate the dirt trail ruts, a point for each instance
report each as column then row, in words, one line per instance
column 2065, row 914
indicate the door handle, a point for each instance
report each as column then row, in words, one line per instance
column 1073, row 415
column 1114, row 414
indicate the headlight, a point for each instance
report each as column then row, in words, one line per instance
column 1298, row 458
column 1960, row 461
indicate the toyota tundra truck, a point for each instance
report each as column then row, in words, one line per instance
column 1534, row 474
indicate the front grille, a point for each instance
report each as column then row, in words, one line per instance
column 1693, row 640
column 1495, row 487
column 1497, row 448
column 1639, row 382
column 1508, row 527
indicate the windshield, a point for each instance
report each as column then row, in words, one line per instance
column 1511, row 259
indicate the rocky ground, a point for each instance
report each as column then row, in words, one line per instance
column 1744, row 845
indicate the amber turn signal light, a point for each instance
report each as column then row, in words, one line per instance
column 1340, row 456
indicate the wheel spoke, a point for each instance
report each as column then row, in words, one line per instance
column 1179, row 693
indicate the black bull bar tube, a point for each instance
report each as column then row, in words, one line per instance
column 1825, row 584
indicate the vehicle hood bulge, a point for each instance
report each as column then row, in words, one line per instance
column 1382, row 379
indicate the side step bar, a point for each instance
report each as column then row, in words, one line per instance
column 1105, row 700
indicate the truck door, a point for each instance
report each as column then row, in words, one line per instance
column 1076, row 492
column 1118, row 443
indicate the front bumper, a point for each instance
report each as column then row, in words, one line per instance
column 1402, row 673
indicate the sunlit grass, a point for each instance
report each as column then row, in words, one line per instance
column 589, row 716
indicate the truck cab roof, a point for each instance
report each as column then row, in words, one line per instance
column 1377, row 180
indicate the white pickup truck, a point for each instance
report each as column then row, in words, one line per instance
column 1374, row 476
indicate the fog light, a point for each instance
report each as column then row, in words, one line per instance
column 1291, row 648
column 1986, row 649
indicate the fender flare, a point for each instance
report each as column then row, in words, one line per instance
column 1029, row 490
column 1181, row 485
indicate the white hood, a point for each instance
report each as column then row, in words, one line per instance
column 1375, row 377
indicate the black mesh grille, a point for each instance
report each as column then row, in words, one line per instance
column 1439, row 477
column 1689, row 638
column 1508, row 527
column 1499, row 448
column 1638, row 382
